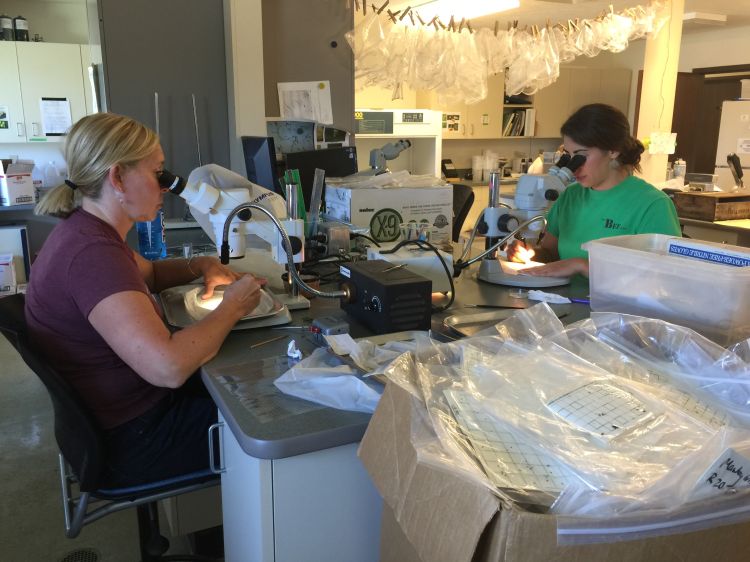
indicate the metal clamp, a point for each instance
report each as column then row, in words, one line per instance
column 211, row 457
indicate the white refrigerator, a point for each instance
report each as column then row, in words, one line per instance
column 734, row 136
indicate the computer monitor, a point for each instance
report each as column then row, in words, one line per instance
column 337, row 162
column 260, row 162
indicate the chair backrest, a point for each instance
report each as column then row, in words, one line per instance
column 76, row 432
column 463, row 199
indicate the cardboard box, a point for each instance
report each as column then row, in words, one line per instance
column 383, row 210
column 435, row 515
column 16, row 185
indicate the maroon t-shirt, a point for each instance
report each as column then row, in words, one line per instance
column 83, row 261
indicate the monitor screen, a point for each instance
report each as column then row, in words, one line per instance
column 337, row 162
column 260, row 162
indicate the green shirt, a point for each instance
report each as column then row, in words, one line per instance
column 633, row 206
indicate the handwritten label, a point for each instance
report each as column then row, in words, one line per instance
column 730, row 472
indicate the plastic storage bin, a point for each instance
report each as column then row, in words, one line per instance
column 636, row 275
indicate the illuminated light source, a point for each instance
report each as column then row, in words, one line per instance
column 464, row 8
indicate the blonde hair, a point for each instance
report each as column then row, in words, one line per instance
column 93, row 145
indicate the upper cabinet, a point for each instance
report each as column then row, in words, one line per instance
column 576, row 87
column 12, row 121
column 482, row 120
column 29, row 77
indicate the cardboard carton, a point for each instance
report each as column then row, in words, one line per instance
column 16, row 185
column 7, row 274
column 436, row 515
column 383, row 210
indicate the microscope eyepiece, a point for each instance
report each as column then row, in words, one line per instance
column 175, row 184
column 564, row 159
column 576, row 162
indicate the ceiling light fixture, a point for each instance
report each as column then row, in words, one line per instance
column 464, row 8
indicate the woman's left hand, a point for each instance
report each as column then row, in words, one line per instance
column 216, row 274
column 560, row 268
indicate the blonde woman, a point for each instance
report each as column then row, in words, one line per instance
column 89, row 306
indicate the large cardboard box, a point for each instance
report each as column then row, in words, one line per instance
column 436, row 515
column 16, row 185
column 383, row 210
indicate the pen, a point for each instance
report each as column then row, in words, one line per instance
column 580, row 300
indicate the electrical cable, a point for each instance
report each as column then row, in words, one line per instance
column 424, row 245
column 354, row 235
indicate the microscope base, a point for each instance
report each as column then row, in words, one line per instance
column 490, row 271
column 294, row 302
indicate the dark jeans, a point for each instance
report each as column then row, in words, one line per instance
column 168, row 440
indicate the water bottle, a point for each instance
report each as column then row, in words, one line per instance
column 152, row 243
column 52, row 176
column 6, row 28
column 21, row 27
column 680, row 168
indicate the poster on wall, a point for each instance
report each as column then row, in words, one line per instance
column 3, row 117
column 56, row 116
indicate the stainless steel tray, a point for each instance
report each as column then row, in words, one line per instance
column 182, row 307
column 474, row 322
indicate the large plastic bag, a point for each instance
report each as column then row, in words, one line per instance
column 609, row 436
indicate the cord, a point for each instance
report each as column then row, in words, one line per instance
column 354, row 235
column 423, row 245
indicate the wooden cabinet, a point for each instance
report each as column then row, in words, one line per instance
column 28, row 77
column 576, row 87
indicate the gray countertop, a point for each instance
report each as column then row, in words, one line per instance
column 269, row 424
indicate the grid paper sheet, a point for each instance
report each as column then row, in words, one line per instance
column 508, row 462
column 602, row 409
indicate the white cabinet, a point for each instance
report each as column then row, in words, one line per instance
column 576, row 87
column 482, row 120
column 11, row 107
column 49, row 71
column 31, row 72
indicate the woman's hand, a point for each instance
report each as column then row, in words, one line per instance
column 214, row 274
column 518, row 251
column 243, row 295
column 560, row 268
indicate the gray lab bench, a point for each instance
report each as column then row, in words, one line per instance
column 293, row 488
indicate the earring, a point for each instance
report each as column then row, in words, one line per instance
column 614, row 164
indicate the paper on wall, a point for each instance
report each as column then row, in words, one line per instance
column 306, row 100
column 56, row 116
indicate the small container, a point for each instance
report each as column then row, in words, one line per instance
column 6, row 28
column 20, row 28
column 680, row 168
column 636, row 274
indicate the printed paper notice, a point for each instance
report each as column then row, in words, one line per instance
column 3, row 117
column 56, row 117
column 306, row 100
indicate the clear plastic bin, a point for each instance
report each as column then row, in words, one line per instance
column 636, row 275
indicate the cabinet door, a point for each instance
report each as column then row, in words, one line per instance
column 179, row 53
column 614, row 87
column 12, row 128
column 49, row 70
column 88, row 87
column 485, row 118
column 551, row 105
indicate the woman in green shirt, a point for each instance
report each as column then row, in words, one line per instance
column 606, row 199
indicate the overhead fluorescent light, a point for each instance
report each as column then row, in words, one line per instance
column 704, row 18
column 464, row 8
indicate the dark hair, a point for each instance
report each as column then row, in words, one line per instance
column 602, row 126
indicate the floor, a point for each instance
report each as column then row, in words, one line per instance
column 32, row 528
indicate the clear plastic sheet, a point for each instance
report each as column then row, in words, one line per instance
column 615, row 424
column 456, row 63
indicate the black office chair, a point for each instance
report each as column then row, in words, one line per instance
column 463, row 199
column 81, row 456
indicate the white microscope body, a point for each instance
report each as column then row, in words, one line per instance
column 213, row 192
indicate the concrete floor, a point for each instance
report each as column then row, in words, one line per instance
column 32, row 527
